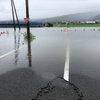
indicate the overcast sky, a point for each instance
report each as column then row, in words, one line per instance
column 47, row 8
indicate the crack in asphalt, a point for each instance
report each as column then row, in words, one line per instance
column 44, row 90
column 76, row 89
column 49, row 87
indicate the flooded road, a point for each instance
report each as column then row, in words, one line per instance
column 48, row 55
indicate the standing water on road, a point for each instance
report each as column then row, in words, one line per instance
column 48, row 55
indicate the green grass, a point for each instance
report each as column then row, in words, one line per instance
column 76, row 25
column 32, row 37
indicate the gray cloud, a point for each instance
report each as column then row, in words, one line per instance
column 2, row 8
column 48, row 8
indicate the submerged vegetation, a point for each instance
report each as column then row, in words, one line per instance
column 32, row 37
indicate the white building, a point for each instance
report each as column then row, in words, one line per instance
column 90, row 22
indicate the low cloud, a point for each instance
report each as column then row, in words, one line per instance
column 48, row 8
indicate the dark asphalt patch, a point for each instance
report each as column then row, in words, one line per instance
column 25, row 84
column 58, row 90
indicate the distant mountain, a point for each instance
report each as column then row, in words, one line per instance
column 96, row 17
column 71, row 17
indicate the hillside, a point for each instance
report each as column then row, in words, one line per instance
column 96, row 17
column 71, row 17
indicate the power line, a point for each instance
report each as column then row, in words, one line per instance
column 64, row 8
column 64, row 0
column 32, row 10
column 52, row 9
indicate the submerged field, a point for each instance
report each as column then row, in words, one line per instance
column 76, row 25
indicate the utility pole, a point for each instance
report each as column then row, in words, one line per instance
column 28, row 33
column 13, row 15
column 28, row 23
column 14, row 12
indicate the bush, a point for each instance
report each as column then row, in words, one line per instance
column 32, row 37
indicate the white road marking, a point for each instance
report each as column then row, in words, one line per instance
column 66, row 69
column 10, row 52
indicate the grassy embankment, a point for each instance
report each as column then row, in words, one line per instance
column 76, row 25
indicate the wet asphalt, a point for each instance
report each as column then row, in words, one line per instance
column 89, row 86
column 25, row 84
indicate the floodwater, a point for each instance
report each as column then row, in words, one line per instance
column 48, row 55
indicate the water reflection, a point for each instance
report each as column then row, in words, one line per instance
column 7, row 32
column 29, row 41
column 17, row 44
column 29, row 53
column 4, row 32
